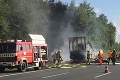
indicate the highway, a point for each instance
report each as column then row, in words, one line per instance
column 90, row 72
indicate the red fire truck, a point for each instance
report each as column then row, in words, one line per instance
column 22, row 54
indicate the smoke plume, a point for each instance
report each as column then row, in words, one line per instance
column 53, row 21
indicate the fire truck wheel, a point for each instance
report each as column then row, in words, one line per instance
column 2, row 69
column 22, row 67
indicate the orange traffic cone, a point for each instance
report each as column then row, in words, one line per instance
column 106, row 69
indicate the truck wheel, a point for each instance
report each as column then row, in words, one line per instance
column 2, row 69
column 22, row 67
column 39, row 67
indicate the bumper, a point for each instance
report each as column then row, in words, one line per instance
column 8, row 64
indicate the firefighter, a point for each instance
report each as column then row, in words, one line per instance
column 113, row 56
column 54, row 57
column 100, row 57
column 110, row 55
column 58, row 57
column 89, row 56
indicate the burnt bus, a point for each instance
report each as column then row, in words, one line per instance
column 78, row 47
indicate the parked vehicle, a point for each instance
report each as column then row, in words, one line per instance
column 22, row 54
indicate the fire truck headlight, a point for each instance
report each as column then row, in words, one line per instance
column 13, row 64
column 16, row 54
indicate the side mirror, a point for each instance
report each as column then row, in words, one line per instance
column 21, row 48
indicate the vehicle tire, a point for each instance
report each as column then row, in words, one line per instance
column 39, row 67
column 2, row 69
column 22, row 67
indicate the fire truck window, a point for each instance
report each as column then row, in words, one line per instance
column 18, row 47
column 27, row 46
column 24, row 46
column 21, row 48
column 9, row 47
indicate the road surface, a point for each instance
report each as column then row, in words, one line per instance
column 90, row 72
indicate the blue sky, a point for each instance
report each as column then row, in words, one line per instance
column 109, row 7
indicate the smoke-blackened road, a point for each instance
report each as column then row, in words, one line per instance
column 92, row 72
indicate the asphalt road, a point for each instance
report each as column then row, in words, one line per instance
column 90, row 72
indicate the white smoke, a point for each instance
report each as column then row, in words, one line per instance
column 68, row 32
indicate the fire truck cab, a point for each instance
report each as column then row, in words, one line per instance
column 22, row 54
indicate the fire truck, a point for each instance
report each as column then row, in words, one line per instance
column 22, row 54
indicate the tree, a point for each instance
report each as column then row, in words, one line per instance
column 107, row 31
column 4, row 23
column 83, row 14
column 111, row 35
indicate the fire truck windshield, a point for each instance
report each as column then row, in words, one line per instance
column 7, row 47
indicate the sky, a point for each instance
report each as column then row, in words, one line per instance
column 108, row 7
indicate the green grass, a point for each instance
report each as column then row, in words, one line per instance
column 66, row 65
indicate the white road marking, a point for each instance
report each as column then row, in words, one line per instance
column 117, row 63
column 56, row 75
column 23, row 73
column 65, row 67
column 102, row 75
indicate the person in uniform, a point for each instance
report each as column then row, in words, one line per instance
column 54, row 57
column 110, row 56
column 113, row 56
column 89, row 56
column 100, row 57
column 58, row 57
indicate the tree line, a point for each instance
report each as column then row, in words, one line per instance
column 18, row 18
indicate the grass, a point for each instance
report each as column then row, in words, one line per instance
column 66, row 65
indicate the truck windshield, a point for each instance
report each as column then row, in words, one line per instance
column 7, row 47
